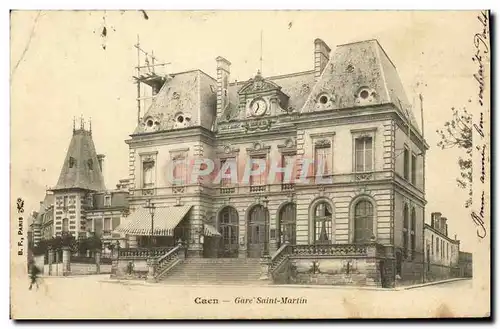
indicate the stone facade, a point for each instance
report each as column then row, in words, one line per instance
column 352, row 96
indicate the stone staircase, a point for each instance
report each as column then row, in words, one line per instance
column 214, row 271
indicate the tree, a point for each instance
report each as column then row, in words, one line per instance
column 457, row 133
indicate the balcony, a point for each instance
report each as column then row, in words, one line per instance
column 287, row 187
column 227, row 190
column 258, row 188
column 338, row 250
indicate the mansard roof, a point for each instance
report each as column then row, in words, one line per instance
column 81, row 167
column 191, row 94
column 359, row 74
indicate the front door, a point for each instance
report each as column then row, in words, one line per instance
column 228, row 220
column 258, row 232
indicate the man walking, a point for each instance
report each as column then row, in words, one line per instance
column 34, row 276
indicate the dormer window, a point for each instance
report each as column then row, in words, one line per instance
column 107, row 201
column 72, row 162
column 90, row 163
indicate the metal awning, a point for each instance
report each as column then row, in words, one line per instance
column 165, row 221
column 210, row 230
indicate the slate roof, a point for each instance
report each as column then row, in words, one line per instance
column 354, row 67
column 192, row 93
column 81, row 166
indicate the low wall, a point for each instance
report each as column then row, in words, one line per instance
column 75, row 269
column 121, row 269
column 438, row 272
column 337, row 271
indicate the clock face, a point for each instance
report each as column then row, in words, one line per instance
column 258, row 107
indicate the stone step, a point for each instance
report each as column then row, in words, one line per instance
column 215, row 270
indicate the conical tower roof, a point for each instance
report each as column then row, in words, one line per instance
column 81, row 167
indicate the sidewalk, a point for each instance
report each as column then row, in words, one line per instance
column 430, row 283
column 312, row 286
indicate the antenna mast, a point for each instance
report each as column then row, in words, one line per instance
column 261, row 51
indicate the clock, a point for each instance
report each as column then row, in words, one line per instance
column 258, row 107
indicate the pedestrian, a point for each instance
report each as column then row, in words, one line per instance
column 34, row 276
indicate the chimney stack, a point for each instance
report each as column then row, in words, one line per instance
column 321, row 56
column 100, row 158
column 223, row 70
column 435, row 220
column 444, row 226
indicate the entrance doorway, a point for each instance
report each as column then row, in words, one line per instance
column 287, row 225
column 228, row 219
column 258, row 231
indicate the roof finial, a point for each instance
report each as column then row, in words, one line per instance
column 82, row 125
column 74, row 128
column 90, row 125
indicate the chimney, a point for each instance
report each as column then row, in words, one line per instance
column 435, row 220
column 444, row 226
column 223, row 70
column 100, row 158
column 321, row 56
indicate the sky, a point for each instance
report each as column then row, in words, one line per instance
column 59, row 70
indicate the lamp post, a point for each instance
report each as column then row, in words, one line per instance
column 151, row 207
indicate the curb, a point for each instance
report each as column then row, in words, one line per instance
column 433, row 283
column 402, row 288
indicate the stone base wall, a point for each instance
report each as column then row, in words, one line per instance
column 120, row 269
column 438, row 272
column 338, row 271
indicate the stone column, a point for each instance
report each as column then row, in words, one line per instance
column 50, row 260
column 66, row 261
column 265, row 263
column 98, row 261
column 152, row 264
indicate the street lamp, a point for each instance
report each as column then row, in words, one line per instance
column 151, row 207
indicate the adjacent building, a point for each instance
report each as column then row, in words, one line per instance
column 441, row 251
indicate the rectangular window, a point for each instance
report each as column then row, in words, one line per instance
column 65, row 225
column 226, row 181
column 437, row 246
column 148, row 176
column 406, row 164
column 413, row 169
column 363, row 154
column 65, row 202
column 323, row 160
column 107, row 201
column 107, row 224
column 258, row 179
column 288, row 160
column 180, row 171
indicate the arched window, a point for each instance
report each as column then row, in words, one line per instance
column 287, row 226
column 322, row 223
column 413, row 231
column 405, row 228
column 363, row 221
